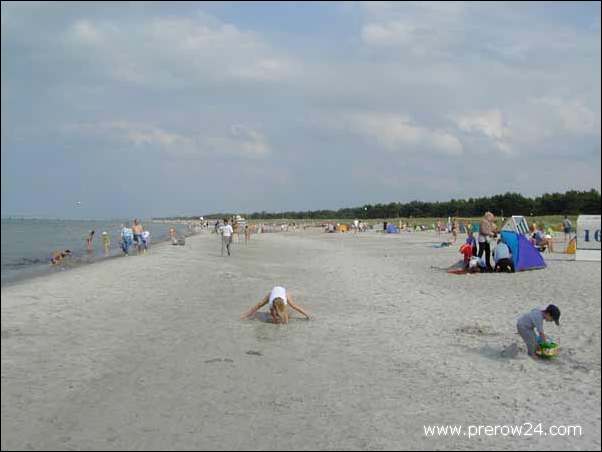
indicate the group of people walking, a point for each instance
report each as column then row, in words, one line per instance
column 134, row 236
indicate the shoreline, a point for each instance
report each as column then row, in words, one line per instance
column 80, row 261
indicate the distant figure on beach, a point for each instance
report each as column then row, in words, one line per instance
column 542, row 241
column 454, row 230
column 470, row 239
column 227, row 232
column 532, row 321
column 106, row 242
column 277, row 300
column 486, row 232
column 137, row 229
column 58, row 256
column 466, row 251
column 127, row 237
column 247, row 233
column 146, row 239
column 567, row 227
column 89, row 241
column 172, row 236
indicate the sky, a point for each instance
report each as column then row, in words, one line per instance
column 157, row 109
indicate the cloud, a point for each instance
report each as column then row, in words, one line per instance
column 240, row 140
column 398, row 133
column 169, row 51
column 575, row 117
column 490, row 124
column 85, row 32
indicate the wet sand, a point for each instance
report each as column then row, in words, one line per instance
column 149, row 352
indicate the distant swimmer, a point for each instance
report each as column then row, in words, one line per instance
column 277, row 300
column 58, row 256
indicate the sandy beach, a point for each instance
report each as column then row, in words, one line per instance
column 149, row 352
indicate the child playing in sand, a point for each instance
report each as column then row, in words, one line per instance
column 533, row 320
column 277, row 300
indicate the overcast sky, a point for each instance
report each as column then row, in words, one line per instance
column 161, row 109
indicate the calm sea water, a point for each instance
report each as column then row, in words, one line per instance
column 28, row 244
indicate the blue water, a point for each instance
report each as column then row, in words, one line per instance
column 28, row 244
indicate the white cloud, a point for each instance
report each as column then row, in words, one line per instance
column 388, row 33
column 240, row 140
column 490, row 123
column 84, row 31
column 575, row 117
column 175, row 50
column 398, row 133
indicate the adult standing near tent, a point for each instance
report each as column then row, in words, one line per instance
column 567, row 226
column 486, row 231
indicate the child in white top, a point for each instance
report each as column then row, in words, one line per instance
column 277, row 300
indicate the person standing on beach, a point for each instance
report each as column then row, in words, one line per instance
column 89, row 241
column 533, row 320
column 106, row 242
column 146, row 239
column 126, row 239
column 567, row 226
column 486, row 231
column 247, row 233
column 227, row 232
column 137, row 229
column 454, row 230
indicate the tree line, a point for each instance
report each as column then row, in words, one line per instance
column 570, row 203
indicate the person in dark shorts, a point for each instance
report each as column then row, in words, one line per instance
column 567, row 227
column 503, row 258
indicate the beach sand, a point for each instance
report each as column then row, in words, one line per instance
column 149, row 352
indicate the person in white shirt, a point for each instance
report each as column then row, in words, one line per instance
column 227, row 232
column 277, row 300
column 146, row 239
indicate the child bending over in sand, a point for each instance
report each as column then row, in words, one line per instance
column 58, row 256
column 277, row 300
column 533, row 320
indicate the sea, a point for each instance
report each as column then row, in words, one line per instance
column 28, row 244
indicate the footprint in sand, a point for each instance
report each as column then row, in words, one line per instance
column 511, row 351
column 218, row 360
column 254, row 353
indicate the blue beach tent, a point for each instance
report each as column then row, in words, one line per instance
column 392, row 229
column 524, row 255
